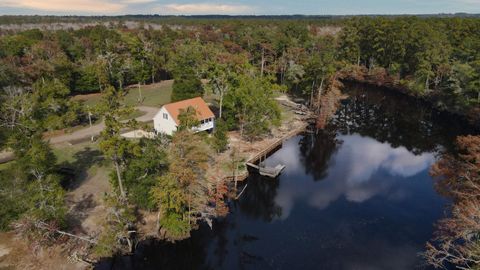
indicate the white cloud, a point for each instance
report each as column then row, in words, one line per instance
column 375, row 155
column 471, row 2
column 203, row 8
column 93, row 6
column 352, row 173
column 134, row 2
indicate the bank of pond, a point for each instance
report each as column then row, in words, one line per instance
column 356, row 195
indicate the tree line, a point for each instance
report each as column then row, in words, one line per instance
column 436, row 58
column 243, row 63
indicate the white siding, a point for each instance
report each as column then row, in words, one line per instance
column 162, row 125
column 168, row 126
column 207, row 125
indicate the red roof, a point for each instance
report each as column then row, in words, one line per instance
column 200, row 106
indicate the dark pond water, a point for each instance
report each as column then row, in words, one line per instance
column 355, row 196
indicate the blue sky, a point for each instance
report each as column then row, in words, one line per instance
column 238, row 7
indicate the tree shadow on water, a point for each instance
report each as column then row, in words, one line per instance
column 259, row 201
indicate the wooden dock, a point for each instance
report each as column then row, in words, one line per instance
column 271, row 148
column 261, row 156
column 272, row 172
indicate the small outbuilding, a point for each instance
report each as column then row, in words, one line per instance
column 166, row 120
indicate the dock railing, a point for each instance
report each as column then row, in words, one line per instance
column 267, row 150
column 242, row 176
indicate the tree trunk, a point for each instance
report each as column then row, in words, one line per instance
column 235, row 169
column 140, row 92
column 263, row 62
column 320, row 94
column 158, row 223
column 242, row 121
column 311, row 94
column 221, row 105
column 130, row 244
column 241, row 129
column 119, row 178
column 39, row 177
column 189, row 211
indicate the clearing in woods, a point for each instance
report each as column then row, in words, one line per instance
column 154, row 95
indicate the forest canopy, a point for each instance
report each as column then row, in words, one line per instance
column 241, row 63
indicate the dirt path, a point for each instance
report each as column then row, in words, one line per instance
column 16, row 254
column 86, row 204
column 96, row 129
column 6, row 156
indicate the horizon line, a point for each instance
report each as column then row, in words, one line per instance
column 242, row 15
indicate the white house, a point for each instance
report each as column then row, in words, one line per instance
column 166, row 120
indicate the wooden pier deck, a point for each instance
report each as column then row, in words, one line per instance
column 271, row 148
column 263, row 154
column 271, row 172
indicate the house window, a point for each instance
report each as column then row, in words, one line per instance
column 165, row 116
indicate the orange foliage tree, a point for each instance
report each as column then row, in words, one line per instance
column 457, row 240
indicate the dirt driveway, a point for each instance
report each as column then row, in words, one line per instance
column 96, row 129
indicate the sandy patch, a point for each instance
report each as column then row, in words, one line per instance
column 4, row 250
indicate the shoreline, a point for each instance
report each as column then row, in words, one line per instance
column 360, row 77
column 245, row 151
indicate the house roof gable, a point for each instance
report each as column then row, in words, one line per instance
column 200, row 106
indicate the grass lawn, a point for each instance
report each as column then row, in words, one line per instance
column 134, row 114
column 89, row 100
column 66, row 153
column 85, row 171
column 3, row 166
column 154, row 95
column 70, row 153
column 84, row 158
column 287, row 114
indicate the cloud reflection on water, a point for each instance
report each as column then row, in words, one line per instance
column 354, row 173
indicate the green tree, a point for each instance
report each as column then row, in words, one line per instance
column 294, row 74
column 113, row 145
column 172, row 204
column 142, row 171
column 183, row 194
column 349, row 48
column 53, row 107
column 14, row 195
column 118, row 230
column 250, row 106
column 186, row 86
column 220, row 79
column 45, row 197
column 220, row 136
column 89, row 77
column 319, row 69
column 188, row 119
